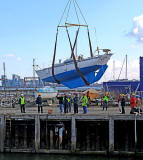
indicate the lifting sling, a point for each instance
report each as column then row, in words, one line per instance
column 53, row 74
column 90, row 46
column 72, row 50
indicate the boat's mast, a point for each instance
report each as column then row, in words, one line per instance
column 4, row 78
column 34, row 82
column 113, row 69
column 126, row 76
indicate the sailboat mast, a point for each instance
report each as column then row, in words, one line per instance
column 126, row 76
column 113, row 69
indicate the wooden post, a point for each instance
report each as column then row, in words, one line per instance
column 73, row 134
column 111, row 134
column 37, row 133
column 16, row 137
column 51, row 139
column 2, row 130
column 46, row 135
column 25, row 136
column 135, row 132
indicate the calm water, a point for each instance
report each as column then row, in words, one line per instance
column 13, row 156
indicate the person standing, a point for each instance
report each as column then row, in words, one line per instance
column 13, row 103
column 123, row 103
column 119, row 103
column 61, row 127
column 132, row 103
column 138, row 104
column 75, row 102
column 70, row 102
column 39, row 102
column 60, row 98
column 105, row 102
column 65, row 103
column 84, row 101
column 22, row 103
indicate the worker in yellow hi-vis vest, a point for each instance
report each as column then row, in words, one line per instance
column 84, row 101
column 105, row 102
column 22, row 103
column 65, row 103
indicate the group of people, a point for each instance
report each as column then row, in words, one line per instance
column 135, row 104
column 39, row 102
column 65, row 103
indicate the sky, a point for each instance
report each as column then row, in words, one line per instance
column 28, row 30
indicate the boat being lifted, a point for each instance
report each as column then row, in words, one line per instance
column 76, row 71
column 92, row 69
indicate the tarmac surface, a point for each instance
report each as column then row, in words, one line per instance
column 96, row 110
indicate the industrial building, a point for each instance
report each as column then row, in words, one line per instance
column 18, row 82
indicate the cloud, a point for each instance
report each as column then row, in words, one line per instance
column 133, row 69
column 135, row 46
column 18, row 59
column 12, row 57
column 137, row 29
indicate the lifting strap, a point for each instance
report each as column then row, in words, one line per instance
column 72, row 50
column 90, row 46
column 53, row 64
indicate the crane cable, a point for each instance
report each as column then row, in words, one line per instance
column 72, row 48
column 68, row 12
column 81, row 12
column 68, row 3
column 76, row 4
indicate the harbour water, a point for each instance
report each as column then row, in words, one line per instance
column 18, row 156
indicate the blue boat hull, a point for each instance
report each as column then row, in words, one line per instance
column 71, row 79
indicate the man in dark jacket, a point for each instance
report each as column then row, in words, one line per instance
column 76, row 101
column 39, row 102
column 60, row 98
column 123, row 103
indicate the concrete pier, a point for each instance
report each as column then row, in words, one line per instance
column 82, row 134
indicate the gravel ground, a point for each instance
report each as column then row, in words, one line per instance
column 97, row 110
